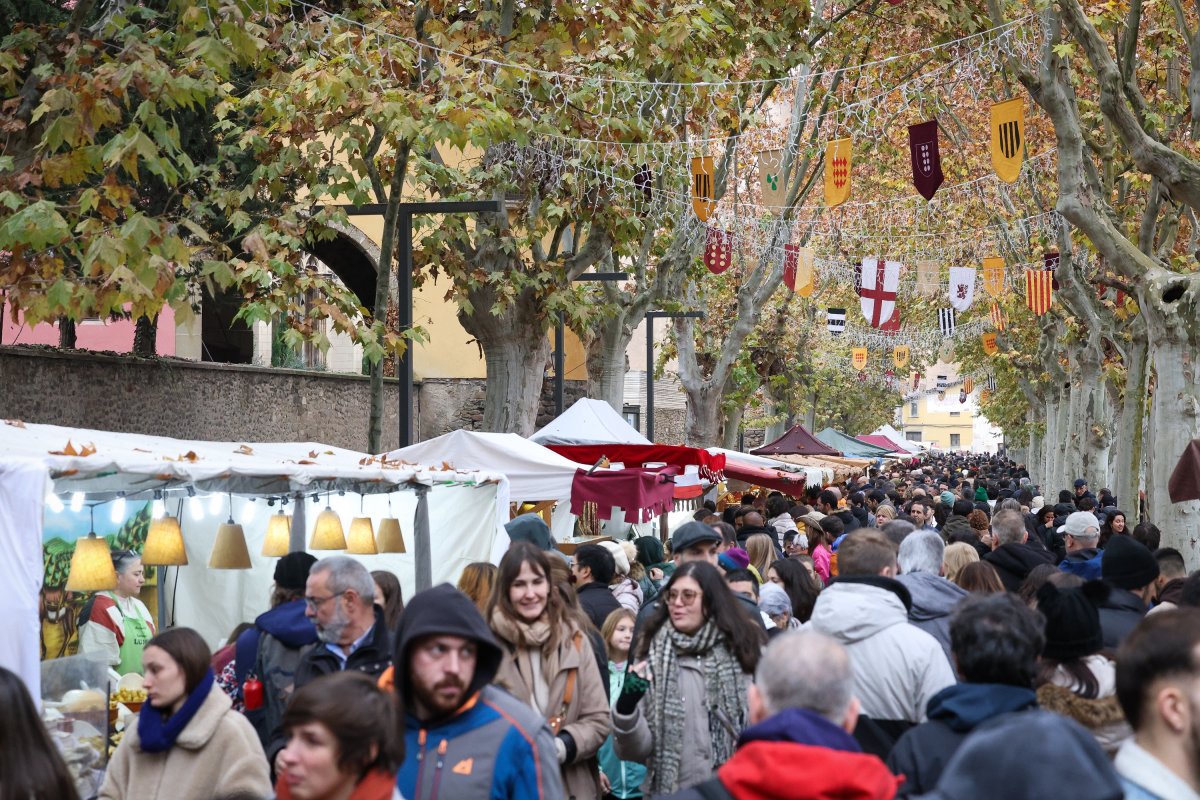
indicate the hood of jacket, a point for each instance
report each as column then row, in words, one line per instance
column 1018, row 558
column 964, row 706
column 1172, row 591
column 800, row 726
column 288, row 624
column 445, row 611
column 854, row 609
column 933, row 597
column 765, row 770
column 746, row 531
column 956, row 523
column 530, row 528
column 1086, row 554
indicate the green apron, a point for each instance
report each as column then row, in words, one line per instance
column 137, row 632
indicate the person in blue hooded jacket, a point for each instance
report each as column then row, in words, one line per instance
column 996, row 640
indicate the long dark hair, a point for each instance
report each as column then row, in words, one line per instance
column 360, row 715
column 393, row 597
column 798, row 585
column 744, row 637
column 510, row 567
column 31, row 768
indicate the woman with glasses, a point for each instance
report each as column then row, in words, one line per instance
column 115, row 626
column 683, row 703
column 548, row 663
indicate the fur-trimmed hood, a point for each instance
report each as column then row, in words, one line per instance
column 1091, row 714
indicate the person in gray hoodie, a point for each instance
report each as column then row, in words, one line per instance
column 933, row 597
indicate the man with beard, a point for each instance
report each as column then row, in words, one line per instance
column 1158, row 684
column 463, row 736
column 339, row 598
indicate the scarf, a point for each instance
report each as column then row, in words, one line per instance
column 725, row 700
column 157, row 732
column 524, row 637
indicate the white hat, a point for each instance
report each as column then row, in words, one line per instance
column 618, row 554
column 1038, row 502
column 1078, row 524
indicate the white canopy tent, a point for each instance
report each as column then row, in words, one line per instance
column 814, row 476
column 589, row 422
column 466, row 508
column 897, row 437
column 533, row 472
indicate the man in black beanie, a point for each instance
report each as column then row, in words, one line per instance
column 1130, row 569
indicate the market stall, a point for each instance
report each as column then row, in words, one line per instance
column 851, row 447
column 796, row 441
column 883, row 443
column 771, row 473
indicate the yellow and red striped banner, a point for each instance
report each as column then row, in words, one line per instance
column 1039, row 290
column 998, row 316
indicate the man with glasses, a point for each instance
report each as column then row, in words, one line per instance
column 339, row 599
column 1082, row 536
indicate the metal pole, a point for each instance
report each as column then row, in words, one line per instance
column 296, row 535
column 404, row 363
column 560, row 336
column 422, row 543
column 650, row 377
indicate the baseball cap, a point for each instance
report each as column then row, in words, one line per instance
column 1078, row 524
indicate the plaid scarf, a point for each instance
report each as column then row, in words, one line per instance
column 724, row 703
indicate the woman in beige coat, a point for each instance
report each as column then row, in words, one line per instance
column 189, row 743
column 549, row 664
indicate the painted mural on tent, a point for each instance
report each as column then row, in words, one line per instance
column 59, row 609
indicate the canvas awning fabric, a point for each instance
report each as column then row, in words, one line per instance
column 882, row 442
column 637, row 455
column 589, row 421
column 1184, row 483
column 796, row 441
column 534, row 472
column 897, row 438
column 838, row 466
column 851, row 447
column 769, row 473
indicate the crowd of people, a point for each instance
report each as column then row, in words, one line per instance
column 937, row 629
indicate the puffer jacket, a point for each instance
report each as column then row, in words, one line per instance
column 898, row 667
column 933, row 601
column 1119, row 615
column 628, row 593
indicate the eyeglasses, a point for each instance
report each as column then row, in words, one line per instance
column 313, row 603
column 683, row 597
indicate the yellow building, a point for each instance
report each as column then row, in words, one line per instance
column 946, row 424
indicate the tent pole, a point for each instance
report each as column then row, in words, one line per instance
column 296, row 539
column 424, row 565
column 162, row 598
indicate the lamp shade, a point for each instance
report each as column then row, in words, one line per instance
column 362, row 537
column 391, row 540
column 230, row 551
column 91, row 566
column 164, row 544
column 328, row 535
column 279, row 536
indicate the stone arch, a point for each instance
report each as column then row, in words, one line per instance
column 354, row 258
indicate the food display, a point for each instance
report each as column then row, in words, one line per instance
column 75, row 710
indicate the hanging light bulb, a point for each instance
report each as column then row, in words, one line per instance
column 328, row 534
column 279, row 535
column 164, row 544
column 54, row 503
column 118, row 510
column 229, row 550
column 362, row 537
column 77, row 502
column 391, row 539
column 91, row 564
column 158, row 509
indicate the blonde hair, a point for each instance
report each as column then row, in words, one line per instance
column 957, row 556
column 761, row 550
column 884, row 510
column 476, row 582
column 610, row 626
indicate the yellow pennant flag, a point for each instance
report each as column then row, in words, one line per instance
column 900, row 355
column 993, row 276
column 804, row 272
column 837, row 172
column 702, row 187
column 770, row 169
column 989, row 343
column 928, row 280
column 1008, row 138
column 858, row 357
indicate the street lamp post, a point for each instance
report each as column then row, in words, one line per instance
column 404, row 364
column 560, row 336
column 650, row 317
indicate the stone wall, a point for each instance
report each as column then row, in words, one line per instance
column 189, row 399
column 447, row 404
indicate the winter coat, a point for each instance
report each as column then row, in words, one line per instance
column 1169, row 596
column 628, row 593
column 922, row 753
column 585, row 719
column 625, row 777
column 969, row 537
column 216, row 755
column 375, row 785
column 1102, row 716
column 1119, row 615
column 494, row 746
column 271, row 651
column 821, row 558
column 1013, row 562
column 633, row 740
column 785, row 528
column 597, row 602
column 956, row 524
column 1146, row 778
column 898, row 667
column 1085, row 563
column 933, row 601
column 798, row 748
column 745, row 532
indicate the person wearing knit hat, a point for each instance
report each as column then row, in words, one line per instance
column 1076, row 680
column 291, row 571
column 623, row 587
column 1130, row 569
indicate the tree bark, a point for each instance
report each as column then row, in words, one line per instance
column 145, row 333
column 606, row 360
column 1126, row 453
column 66, row 333
column 704, row 425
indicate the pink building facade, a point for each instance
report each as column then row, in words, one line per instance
column 92, row 334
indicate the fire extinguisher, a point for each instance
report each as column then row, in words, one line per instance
column 252, row 693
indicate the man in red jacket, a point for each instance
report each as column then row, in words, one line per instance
column 798, row 744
